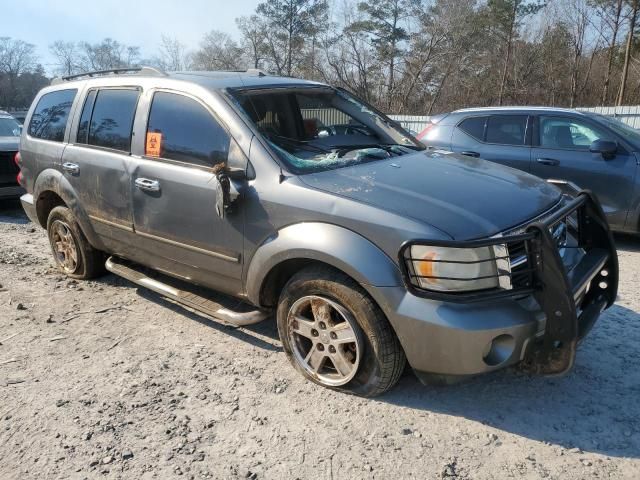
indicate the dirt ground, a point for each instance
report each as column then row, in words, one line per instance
column 102, row 379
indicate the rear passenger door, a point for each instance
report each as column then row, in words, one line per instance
column 95, row 163
column 174, row 196
column 500, row 138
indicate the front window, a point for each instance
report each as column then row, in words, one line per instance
column 570, row 133
column 318, row 128
column 9, row 127
column 181, row 129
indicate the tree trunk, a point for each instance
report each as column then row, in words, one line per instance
column 289, row 48
column 627, row 54
column 392, row 65
column 612, row 48
column 503, row 81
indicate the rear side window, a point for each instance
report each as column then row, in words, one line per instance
column 474, row 126
column 507, row 129
column 181, row 129
column 112, row 118
column 49, row 119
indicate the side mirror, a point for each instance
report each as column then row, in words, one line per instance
column 606, row 148
column 226, row 191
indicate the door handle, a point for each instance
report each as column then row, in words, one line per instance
column 470, row 154
column 72, row 168
column 552, row 162
column 147, row 185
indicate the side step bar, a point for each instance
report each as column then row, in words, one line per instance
column 189, row 299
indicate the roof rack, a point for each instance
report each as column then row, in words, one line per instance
column 256, row 71
column 151, row 71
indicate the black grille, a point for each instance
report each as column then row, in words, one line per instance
column 520, row 259
column 8, row 169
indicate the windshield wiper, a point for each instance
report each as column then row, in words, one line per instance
column 297, row 143
column 342, row 151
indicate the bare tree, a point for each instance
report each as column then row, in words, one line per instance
column 218, row 51
column 635, row 5
column 611, row 14
column 173, row 55
column 290, row 24
column 67, row 55
column 254, row 41
column 17, row 58
column 108, row 54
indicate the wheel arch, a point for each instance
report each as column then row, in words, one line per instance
column 300, row 245
column 52, row 189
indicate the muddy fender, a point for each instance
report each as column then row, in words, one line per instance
column 53, row 180
column 336, row 246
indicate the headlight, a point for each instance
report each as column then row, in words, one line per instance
column 446, row 269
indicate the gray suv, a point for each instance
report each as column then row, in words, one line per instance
column 595, row 152
column 300, row 199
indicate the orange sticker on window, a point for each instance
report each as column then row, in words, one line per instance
column 154, row 141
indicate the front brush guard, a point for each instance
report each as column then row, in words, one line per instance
column 571, row 301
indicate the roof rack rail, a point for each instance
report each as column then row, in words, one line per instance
column 257, row 71
column 113, row 71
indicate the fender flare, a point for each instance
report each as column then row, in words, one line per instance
column 336, row 246
column 54, row 181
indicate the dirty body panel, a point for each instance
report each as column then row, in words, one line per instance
column 300, row 192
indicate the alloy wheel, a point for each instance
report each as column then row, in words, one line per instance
column 324, row 340
column 64, row 246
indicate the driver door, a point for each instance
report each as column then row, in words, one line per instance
column 562, row 152
column 174, row 195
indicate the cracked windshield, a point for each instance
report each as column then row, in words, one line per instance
column 316, row 129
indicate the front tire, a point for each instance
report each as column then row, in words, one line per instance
column 73, row 254
column 336, row 336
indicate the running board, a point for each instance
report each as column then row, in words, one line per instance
column 186, row 298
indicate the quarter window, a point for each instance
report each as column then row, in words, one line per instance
column 507, row 129
column 474, row 126
column 49, row 119
column 85, row 118
column 556, row 132
column 181, row 129
column 112, row 119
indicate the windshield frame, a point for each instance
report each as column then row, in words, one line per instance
column 234, row 96
column 623, row 131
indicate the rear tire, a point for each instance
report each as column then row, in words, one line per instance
column 336, row 336
column 73, row 254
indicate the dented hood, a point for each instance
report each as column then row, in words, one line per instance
column 465, row 197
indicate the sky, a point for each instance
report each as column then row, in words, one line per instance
column 133, row 22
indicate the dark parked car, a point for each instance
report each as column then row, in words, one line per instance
column 594, row 152
column 300, row 199
column 9, row 142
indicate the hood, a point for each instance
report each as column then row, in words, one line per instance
column 465, row 197
column 9, row 144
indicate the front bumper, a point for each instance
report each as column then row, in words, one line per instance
column 539, row 324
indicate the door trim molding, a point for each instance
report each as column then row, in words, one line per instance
column 111, row 224
column 186, row 246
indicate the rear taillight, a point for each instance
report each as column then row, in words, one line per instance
column 17, row 159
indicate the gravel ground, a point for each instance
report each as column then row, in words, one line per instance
column 102, row 379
